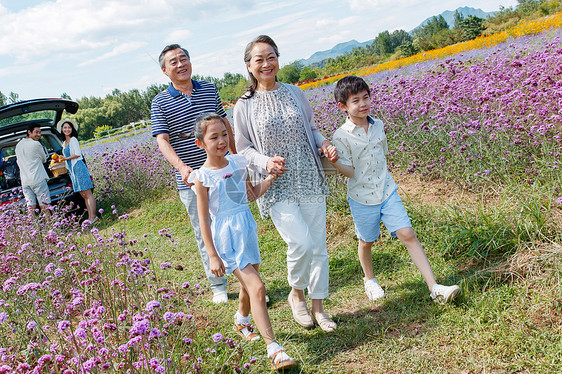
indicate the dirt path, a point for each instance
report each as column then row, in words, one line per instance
column 434, row 193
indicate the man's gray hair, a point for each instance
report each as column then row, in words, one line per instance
column 169, row 48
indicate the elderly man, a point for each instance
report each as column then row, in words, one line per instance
column 173, row 115
column 31, row 156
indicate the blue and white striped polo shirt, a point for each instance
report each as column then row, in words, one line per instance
column 173, row 113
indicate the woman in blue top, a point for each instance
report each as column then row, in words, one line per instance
column 79, row 174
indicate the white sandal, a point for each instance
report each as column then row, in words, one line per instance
column 280, row 360
column 246, row 331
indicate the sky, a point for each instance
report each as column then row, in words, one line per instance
column 90, row 47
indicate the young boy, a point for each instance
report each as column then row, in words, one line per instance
column 361, row 145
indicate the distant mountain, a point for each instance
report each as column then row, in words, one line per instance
column 319, row 58
column 449, row 15
column 338, row 49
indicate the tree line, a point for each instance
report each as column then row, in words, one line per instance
column 120, row 108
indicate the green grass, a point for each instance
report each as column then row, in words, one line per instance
column 508, row 318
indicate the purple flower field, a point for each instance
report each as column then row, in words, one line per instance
column 122, row 142
column 131, row 168
column 75, row 301
column 480, row 118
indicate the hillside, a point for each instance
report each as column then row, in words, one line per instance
column 341, row 48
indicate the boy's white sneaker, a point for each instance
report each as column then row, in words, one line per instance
column 373, row 289
column 444, row 294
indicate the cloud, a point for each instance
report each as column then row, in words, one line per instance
column 140, row 82
column 335, row 38
column 361, row 5
column 216, row 64
column 325, row 33
column 91, row 25
column 7, row 71
column 178, row 36
column 326, row 23
column 116, row 51
column 61, row 27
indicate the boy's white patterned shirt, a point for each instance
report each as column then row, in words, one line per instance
column 365, row 152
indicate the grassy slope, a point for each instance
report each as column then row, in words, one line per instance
column 500, row 324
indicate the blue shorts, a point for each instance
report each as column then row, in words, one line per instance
column 367, row 218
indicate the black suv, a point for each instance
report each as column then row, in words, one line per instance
column 14, row 119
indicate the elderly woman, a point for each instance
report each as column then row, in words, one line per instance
column 274, row 129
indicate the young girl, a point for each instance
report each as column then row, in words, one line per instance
column 223, row 188
column 79, row 174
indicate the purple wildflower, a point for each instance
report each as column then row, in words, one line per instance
column 139, row 327
column 169, row 316
column 63, row 325
column 80, row 333
column 90, row 364
column 151, row 305
column 123, row 348
column 155, row 333
column 134, row 341
column 49, row 268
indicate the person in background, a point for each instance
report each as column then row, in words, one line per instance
column 173, row 114
column 31, row 156
column 361, row 146
column 79, row 174
column 275, row 130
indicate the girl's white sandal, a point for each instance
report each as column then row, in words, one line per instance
column 280, row 360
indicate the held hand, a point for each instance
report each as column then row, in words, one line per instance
column 271, row 177
column 329, row 151
column 216, row 265
column 276, row 165
column 185, row 172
